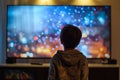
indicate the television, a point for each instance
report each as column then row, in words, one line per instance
column 33, row 30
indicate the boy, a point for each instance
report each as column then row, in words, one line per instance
column 69, row 64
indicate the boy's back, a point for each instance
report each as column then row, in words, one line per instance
column 69, row 65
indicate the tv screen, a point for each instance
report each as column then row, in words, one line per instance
column 33, row 31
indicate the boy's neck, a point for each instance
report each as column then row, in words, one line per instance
column 68, row 49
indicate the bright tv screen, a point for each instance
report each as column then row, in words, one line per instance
column 33, row 31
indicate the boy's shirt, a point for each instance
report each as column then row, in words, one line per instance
column 68, row 65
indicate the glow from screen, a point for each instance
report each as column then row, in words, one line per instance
column 33, row 31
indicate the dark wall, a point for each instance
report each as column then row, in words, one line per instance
column 2, row 30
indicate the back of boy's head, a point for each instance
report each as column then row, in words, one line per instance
column 70, row 36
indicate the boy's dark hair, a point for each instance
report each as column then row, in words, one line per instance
column 70, row 36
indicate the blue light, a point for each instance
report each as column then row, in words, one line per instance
column 102, row 21
column 46, row 31
column 11, row 44
column 84, row 47
column 29, row 54
column 39, row 41
column 24, row 40
column 87, row 21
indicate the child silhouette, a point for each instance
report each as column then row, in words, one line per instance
column 69, row 64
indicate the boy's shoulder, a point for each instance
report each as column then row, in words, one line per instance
column 73, row 52
column 67, row 56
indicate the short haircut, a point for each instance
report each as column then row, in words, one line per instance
column 70, row 36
